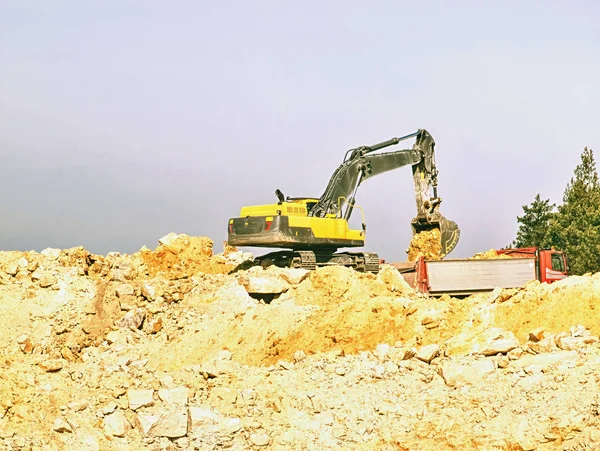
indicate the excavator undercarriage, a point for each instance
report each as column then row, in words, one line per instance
column 313, row 229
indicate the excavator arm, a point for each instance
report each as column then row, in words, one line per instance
column 361, row 164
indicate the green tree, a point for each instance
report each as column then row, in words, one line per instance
column 533, row 225
column 575, row 228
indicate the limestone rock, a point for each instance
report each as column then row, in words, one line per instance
column 125, row 289
column 51, row 365
column 230, row 425
column 576, row 341
column 201, row 416
column 428, row 353
column 11, row 268
column 514, row 354
column 155, row 324
column 37, row 274
column 226, row 394
column 109, row 408
column 23, row 263
column 47, row 281
column 457, row 374
column 264, row 284
column 150, row 291
column 144, row 423
column 115, row 424
column 133, row 319
column 499, row 342
column 140, row 398
column 177, row 395
column 170, row 424
column 546, row 344
column 78, row 406
column 113, row 336
column 51, row 253
column 61, row 425
column 167, row 381
column 401, row 353
column 259, row 439
column 169, row 239
column 543, row 362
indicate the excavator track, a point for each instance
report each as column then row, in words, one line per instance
column 305, row 260
column 371, row 262
column 360, row 261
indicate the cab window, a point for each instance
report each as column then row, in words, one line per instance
column 558, row 263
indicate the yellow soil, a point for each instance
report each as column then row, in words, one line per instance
column 555, row 307
column 488, row 255
column 427, row 243
column 183, row 258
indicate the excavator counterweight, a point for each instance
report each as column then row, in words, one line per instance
column 313, row 229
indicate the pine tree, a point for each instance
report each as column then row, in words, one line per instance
column 575, row 229
column 533, row 225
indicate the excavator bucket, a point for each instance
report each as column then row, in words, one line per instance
column 449, row 231
column 428, row 203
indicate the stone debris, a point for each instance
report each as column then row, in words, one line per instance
column 61, row 425
column 263, row 284
column 179, row 348
column 177, row 395
column 427, row 243
column 115, row 424
column 259, row 439
column 500, row 342
column 51, row 365
column 202, row 416
column 428, row 353
column 124, row 290
column 133, row 319
column 457, row 374
column 170, row 424
column 140, row 398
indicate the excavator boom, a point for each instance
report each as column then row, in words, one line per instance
column 363, row 164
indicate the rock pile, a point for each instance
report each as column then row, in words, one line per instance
column 427, row 243
column 173, row 349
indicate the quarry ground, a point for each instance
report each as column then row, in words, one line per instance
column 174, row 348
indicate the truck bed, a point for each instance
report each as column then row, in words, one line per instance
column 464, row 277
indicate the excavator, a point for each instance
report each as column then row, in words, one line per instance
column 311, row 230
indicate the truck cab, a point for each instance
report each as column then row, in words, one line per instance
column 551, row 265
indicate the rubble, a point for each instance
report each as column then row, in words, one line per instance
column 172, row 348
column 427, row 243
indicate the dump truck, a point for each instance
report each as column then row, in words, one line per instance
column 311, row 230
column 512, row 268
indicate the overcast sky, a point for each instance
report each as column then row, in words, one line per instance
column 122, row 121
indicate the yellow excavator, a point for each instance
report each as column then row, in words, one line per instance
column 311, row 230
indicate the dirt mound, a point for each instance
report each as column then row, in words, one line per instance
column 333, row 285
column 427, row 243
column 489, row 255
column 181, row 256
column 554, row 307
column 165, row 348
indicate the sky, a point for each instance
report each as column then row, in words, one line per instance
column 122, row 121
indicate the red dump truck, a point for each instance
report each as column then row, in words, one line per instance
column 459, row 277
